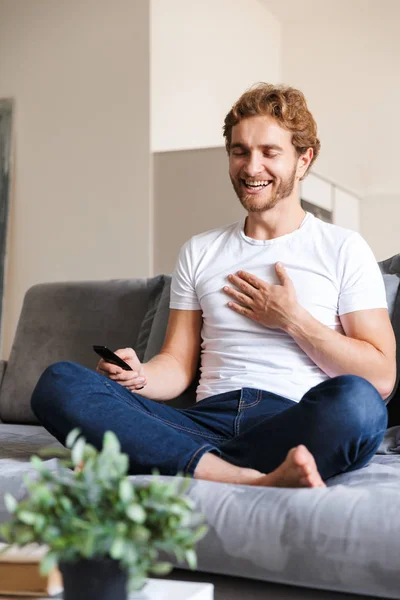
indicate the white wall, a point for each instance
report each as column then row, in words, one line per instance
column 380, row 224
column 79, row 73
column 346, row 211
column 203, row 56
column 348, row 70
column 344, row 206
column 317, row 191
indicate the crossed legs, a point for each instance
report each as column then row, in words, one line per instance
column 336, row 427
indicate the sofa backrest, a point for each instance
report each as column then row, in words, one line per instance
column 391, row 274
column 61, row 321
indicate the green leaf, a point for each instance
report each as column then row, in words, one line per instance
column 111, row 443
column 136, row 581
column 125, row 490
column 161, row 568
column 199, row 533
column 88, row 547
column 10, row 502
column 54, row 452
column 72, row 437
column 179, row 553
column 122, row 464
column 51, row 534
column 49, row 561
column 131, row 553
column 117, row 548
column 36, row 463
column 41, row 494
column 77, row 451
column 140, row 534
column 80, row 524
column 66, row 504
column 40, row 522
column 136, row 513
column 27, row 517
column 191, row 558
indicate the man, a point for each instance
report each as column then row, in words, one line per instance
column 290, row 314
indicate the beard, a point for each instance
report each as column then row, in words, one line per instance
column 251, row 203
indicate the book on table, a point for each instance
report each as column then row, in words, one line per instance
column 20, row 572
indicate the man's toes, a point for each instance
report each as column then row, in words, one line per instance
column 317, row 480
column 309, row 481
column 300, row 456
column 306, row 468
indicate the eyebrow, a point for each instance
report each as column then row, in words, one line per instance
column 263, row 146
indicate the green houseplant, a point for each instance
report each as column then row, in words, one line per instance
column 94, row 519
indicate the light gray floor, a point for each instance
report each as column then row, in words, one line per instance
column 237, row 588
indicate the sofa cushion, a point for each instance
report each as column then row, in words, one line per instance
column 392, row 287
column 148, row 319
column 332, row 538
column 160, row 313
column 20, row 442
column 156, row 339
column 61, row 321
column 329, row 538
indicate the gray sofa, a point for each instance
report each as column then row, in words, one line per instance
column 345, row 537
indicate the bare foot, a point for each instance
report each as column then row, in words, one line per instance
column 297, row 470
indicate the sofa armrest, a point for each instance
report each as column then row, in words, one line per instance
column 60, row 322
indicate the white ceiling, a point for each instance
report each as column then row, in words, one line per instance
column 336, row 10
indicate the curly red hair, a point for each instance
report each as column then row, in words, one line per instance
column 285, row 104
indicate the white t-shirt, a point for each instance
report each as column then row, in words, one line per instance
column 333, row 270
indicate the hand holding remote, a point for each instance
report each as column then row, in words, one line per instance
column 134, row 380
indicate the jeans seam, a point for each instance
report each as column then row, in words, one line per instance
column 211, row 436
column 195, row 454
column 256, row 401
column 242, row 407
column 239, row 415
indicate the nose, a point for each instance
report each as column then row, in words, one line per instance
column 253, row 165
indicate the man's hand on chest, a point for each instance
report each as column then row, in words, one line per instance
column 273, row 306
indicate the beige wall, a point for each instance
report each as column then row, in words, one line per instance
column 204, row 54
column 380, row 224
column 192, row 193
column 332, row 77
column 79, row 73
column 348, row 69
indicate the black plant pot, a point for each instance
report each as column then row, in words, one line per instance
column 95, row 579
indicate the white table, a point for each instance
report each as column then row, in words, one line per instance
column 160, row 589
column 168, row 589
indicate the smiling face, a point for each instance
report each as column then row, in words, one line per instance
column 264, row 166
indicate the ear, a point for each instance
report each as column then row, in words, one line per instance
column 304, row 162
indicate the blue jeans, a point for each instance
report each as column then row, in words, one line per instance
column 341, row 421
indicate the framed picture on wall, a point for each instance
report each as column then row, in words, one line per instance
column 6, row 109
column 317, row 211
